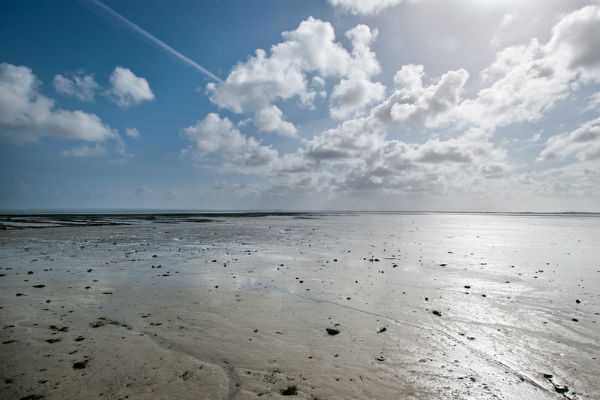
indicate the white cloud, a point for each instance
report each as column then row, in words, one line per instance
column 85, row 151
column 253, row 86
column 132, row 132
column 529, row 80
column 352, row 94
column 214, row 135
column 583, row 143
column 83, row 87
column 364, row 7
column 27, row 116
column 412, row 103
column 523, row 84
column 269, row 119
column 128, row 89
column 575, row 42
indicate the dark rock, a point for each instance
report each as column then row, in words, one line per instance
column 467, row 286
column 9, row 342
column 382, row 329
column 53, row 340
column 187, row 375
column 380, row 358
column 32, row 397
column 548, row 376
column 39, row 286
column 289, row 391
column 79, row 338
column 578, row 301
column 574, row 320
column 561, row 388
column 332, row 331
column 55, row 328
column 29, row 272
column 436, row 312
column 80, row 365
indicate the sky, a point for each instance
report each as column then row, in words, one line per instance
column 449, row 105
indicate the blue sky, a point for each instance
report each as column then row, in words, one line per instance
column 467, row 105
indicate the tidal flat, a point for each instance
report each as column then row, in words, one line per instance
column 300, row 305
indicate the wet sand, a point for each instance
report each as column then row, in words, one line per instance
column 427, row 306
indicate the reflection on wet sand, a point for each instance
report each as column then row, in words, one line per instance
column 378, row 305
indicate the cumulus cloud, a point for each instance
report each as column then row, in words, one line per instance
column 85, row 151
column 354, row 93
column 128, row 89
column 527, row 81
column 270, row 119
column 364, row 7
column 83, row 87
column 523, row 84
column 26, row 115
column 413, row 102
column 216, row 135
column 255, row 85
column 575, row 42
column 583, row 143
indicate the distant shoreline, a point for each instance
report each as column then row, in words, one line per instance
column 53, row 219
column 259, row 213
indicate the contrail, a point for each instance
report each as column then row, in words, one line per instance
column 153, row 38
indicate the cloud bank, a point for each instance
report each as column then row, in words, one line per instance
column 366, row 151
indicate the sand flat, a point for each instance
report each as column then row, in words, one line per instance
column 237, row 307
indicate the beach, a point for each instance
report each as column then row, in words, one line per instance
column 301, row 305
